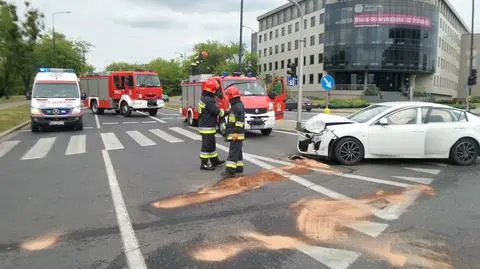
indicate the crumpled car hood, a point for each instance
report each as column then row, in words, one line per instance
column 319, row 122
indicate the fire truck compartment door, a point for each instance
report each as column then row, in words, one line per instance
column 103, row 89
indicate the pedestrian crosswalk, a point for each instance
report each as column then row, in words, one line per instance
column 78, row 144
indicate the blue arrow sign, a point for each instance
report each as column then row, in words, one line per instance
column 328, row 83
column 291, row 81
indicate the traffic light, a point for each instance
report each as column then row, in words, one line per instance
column 407, row 82
column 472, row 79
column 292, row 69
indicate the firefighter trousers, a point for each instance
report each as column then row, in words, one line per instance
column 235, row 157
column 208, row 150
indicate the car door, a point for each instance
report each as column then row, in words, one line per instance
column 444, row 126
column 402, row 135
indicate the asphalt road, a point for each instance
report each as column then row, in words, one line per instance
column 108, row 197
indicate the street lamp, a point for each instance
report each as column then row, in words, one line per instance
column 241, row 37
column 251, row 52
column 53, row 25
column 300, row 71
column 471, row 57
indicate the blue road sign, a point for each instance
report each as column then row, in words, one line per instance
column 291, row 81
column 328, row 82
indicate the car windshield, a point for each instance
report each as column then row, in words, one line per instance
column 368, row 113
column 248, row 88
column 56, row 90
column 147, row 81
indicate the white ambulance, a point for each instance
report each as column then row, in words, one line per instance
column 56, row 99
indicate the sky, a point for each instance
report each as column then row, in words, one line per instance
column 142, row 30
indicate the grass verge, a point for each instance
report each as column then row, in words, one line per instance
column 12, row 117
column 12, row 99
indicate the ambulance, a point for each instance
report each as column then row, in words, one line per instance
column 56, row 100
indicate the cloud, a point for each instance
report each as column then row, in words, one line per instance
column 209, row 6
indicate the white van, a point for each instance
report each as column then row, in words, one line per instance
column 56, row 99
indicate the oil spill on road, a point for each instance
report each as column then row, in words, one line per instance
column 41, row 243
column 321, row 221
column 237, row 185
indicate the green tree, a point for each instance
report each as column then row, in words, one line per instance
column 123, row 66
column 171, row 74
column 221, row 57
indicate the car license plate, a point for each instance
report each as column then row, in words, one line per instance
column 257, row 127
column 57, row 123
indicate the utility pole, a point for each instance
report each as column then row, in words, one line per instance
column 241, row 37
column 471, row 55
column 301, row 62
column 53, row 28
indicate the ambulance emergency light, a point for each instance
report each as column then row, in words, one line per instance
column 57, row 70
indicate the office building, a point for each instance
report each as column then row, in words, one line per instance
column 365, row 44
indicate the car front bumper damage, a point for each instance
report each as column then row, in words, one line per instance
column 315, row 143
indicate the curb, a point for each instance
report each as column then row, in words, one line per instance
column 20, row 126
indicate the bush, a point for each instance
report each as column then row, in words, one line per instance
column 371, row 91
column 341, row 103
column 463, row 106
column 475, row 99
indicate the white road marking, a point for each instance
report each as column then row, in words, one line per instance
column 165, row 136
column 375, row 180
column 110, row 123
column 152, row 117
column 131, row 247
column 169, row 114
column 97, row 121
column 6, row 146
column 40, row 149
column 333, row 258
column 76, row 145
column 423, row 170
column 111, row 141
column 141, row 139
column 186, row 133
column 397, row 209
column 420, row 180
column 88, row 128
column 149, row 121
column 130, row 122
column 284, row 132
column 322, row 190
column 369, row 227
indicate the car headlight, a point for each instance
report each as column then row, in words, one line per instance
column 270, row 106
column 35, row 111
column 77, row 110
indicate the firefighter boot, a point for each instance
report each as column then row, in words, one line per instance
column 229, row 172
column 206, row 166
column 239, row 170
column 217, row 162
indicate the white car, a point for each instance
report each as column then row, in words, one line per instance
column 394, row 130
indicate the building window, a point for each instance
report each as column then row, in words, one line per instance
column 276, row 49
column 304, row 60
column 312, row 60
column 320, row 58
column 289, row 61
column 276, row 65
column 296, row 44
column 283, row 31
column 296, row 61
column 282, row 48
column 260, row 53
column 320, row 75
column 303, row 80
column 270, row 51
column 265, row 67
column 270, row 66
column 265, row 52
column 320, row 39
column 282, row 64
column 289, row 46
column 322, row 18
column 312, row 21
column 305, row 24
column 265, row 37
column 310, row 79
column 276, row 33
column 312, row 40
column 260, row 40
column 297, row 26
column 271, row 35
column 289, row 29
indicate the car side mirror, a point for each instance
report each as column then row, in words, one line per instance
column 84, row 96
column 383, row 122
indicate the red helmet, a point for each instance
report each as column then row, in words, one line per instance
column 211, row 85
column 232, row 92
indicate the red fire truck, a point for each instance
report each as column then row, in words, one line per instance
column 262, row 106
column 124, row 92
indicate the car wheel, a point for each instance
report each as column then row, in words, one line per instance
column 124, row 110
column 349, row 151
column 464, row 152
column 309, row 109
column 191, row 120
column 266, row 132
column 94, row 107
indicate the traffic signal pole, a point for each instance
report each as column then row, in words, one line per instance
column 301, row 62
column 471, row 56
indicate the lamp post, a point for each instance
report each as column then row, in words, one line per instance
column 471, row 56
column 53, row 26
column 251, row 51
column 241, row 37
column 300, row 71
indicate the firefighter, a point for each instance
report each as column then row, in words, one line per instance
column 207, row 121
column 235, row 133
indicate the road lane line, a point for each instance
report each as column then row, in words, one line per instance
column 371, row 228
column 111, row 142
column 375, row 180
column 76, row 145
column 284, row 132
column 97, row 121
column 423, row 170
column 141, row 139
column 131, row 247
column 110, row 123
column 186, row 133
column 152, row 117
column 420, row 180
column 88, row 128
column 397, row 209
column 40, row 149
column 6, row 146
column 130, row 122
column 165, row 136
column 149, row 121
column 332, row 258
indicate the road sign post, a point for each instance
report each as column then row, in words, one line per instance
column 328, row 83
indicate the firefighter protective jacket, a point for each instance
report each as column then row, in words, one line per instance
column 208, row 110
column 236, row 120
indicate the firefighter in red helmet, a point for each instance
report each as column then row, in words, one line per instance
column 235, row 133
column 207, row 122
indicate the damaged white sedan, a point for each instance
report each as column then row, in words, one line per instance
column 406, row 130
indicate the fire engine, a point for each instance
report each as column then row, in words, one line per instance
column 123, row 91
column 262, row 106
